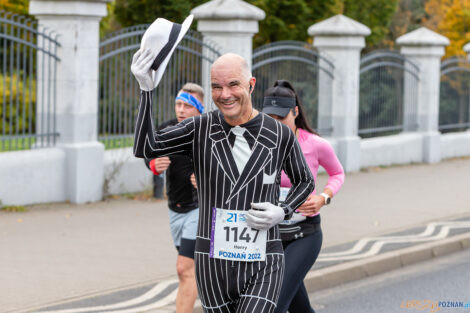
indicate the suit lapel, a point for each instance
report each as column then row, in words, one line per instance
column 222, row 152
column 260, row 157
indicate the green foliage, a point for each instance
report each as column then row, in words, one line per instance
column 285, row 20
column 13, row 208
column 17, row 102
column 109, row 23
column 376, row 14
column 17, row 112
column 15, row 6
column 133, row 12
column 408, row 17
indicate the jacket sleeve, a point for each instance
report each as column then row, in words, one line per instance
column 150, row 144
column 300, row 176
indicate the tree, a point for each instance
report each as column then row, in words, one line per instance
column 109, row 23
column 285, row 19
column 408, row 17
column 15, row 6
column 376, row 14
column 133, row 12
column 450, row 18
column 290, row 19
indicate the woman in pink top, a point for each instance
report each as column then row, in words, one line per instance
column 301, row 235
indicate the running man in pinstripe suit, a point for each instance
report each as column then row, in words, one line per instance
column 238, row 155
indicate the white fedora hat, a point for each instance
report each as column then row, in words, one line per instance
column 161, row 38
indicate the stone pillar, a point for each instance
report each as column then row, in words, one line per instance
column 341, row 40
column 77, row 23
column 231, row 24
column 425, row 48
column 466, row 48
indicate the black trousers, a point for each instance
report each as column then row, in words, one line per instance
column 299, row 255
column 236, row 287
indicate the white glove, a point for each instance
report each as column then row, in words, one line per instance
column 141, row 63
column 264, row 215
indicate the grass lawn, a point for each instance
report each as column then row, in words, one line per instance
column 18, row 144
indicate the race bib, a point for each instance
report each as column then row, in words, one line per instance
column 232, row 239
column 296, row 217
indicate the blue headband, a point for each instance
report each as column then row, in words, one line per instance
column 186, row 97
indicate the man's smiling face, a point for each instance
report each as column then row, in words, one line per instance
column 230, row 85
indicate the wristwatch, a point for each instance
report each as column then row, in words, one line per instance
column 327, row 198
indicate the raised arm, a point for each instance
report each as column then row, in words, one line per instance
column 147, row 142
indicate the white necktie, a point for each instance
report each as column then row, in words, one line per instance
column 241, row 150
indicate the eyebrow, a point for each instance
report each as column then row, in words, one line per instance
column 232, row 83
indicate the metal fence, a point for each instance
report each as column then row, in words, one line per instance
column 297, row 62
column 119, row 91
column 454, row 102
column 388, row 87
column 27, row 83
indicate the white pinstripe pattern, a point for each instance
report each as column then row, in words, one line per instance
column 230, row 286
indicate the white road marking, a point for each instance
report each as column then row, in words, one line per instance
column 158, row 288
column 169, row 299
column 426, row 235
column 356, row 252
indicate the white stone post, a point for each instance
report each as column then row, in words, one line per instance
column 425, row 48
column 341, row 40
column 231, row 24
column 77, row 23
column 466, row 48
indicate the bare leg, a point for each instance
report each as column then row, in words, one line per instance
column 187, row 290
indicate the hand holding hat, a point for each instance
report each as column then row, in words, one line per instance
column 141, row 63
column 158, row 44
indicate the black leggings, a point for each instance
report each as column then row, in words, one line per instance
column 299, row 257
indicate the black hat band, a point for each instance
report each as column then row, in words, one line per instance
column 175, row 31
column 280, row 102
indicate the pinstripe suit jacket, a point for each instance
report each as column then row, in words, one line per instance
column 219, row 183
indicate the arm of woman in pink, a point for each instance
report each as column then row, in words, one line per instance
column 329, row 161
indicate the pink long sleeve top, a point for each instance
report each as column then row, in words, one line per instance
column 318, row 151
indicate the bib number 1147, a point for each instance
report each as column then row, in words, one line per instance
column 244, row 234
column 233, row 239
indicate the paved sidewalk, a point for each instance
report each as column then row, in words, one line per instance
column 62, row 252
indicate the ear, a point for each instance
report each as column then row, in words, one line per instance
column 296, row 111
column 252, row 83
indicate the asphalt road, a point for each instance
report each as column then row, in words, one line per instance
column 445, row 279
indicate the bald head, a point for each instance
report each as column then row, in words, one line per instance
column 234, row 61
column 232, row 85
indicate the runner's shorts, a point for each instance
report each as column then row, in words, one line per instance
column 183, row 228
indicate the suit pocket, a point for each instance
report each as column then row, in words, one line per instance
column 269, row 179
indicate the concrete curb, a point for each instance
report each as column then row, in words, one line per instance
column 354, row 270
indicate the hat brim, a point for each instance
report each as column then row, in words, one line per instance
column 158, row 74
column 282, row 112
